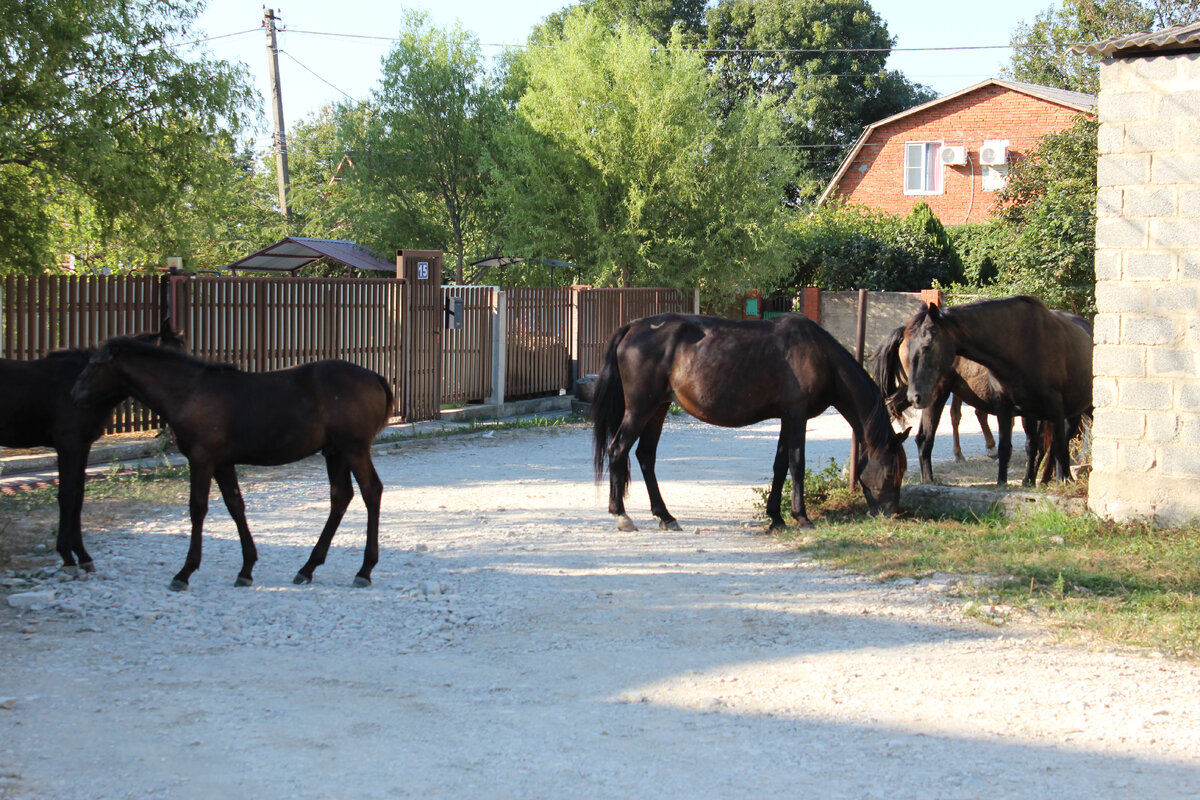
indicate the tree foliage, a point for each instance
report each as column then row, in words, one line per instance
column 102, row 119
column 620, row 159
column 1040, row 52
column 852, row 247
column 1049, row 203
column 825, row 62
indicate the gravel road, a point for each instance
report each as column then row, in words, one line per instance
column 515, row 644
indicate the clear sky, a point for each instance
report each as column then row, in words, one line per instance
column 331, row 49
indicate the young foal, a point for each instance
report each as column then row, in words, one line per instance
column 36, row 411
column 222, row 416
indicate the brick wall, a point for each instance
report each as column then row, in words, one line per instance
column 1146, row 436
column 876, row 176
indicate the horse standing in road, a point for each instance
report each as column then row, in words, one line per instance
column 222, row 417
column 733, row 373
column 36, row 410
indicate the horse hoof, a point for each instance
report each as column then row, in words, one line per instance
column 87, row 566
column 669, row 525
column 360, row 582
column 178, row 585
column 243, row 581
column 70, row 570
column 301, row 579
column 624, row 523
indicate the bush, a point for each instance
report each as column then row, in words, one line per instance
column 851, row 247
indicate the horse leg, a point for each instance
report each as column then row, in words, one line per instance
column 201, row 482
column 796, row 430
column 618, row 468
column 778, row 473
column 1060, row 449
column 955, row 418
column 989, row 441
column 1004, row 426
column 930, row 417
column 72, row 466
column 372, row 492
column 231, row 493
column 1033, row 449
column 341, row 491
column 647, row 450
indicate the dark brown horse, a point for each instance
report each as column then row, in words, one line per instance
column 1042, row 358
column 733, row 373
column 222, row 416
column 36, row 411
column 966, row 382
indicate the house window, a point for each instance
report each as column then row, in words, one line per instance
column 922, row 168
column 994, row 178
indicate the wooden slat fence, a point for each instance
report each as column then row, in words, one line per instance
column 602, row 311
column 261, row 324
column 539, row 341
column 45, row 313
column 467, row 352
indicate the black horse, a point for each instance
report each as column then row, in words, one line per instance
column 734, row 373
column 36, row 411
column 222, row 416
column 1043, row 359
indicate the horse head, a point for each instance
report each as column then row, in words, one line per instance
column 932, row 348
column 880, row 472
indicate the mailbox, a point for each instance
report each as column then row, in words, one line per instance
column 454, row 313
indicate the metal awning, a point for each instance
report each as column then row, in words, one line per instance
column 292, row 253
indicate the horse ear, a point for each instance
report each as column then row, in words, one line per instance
column 900, row 437
column 935, row 313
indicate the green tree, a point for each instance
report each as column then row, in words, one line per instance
column 1040, row 52
column 435, row 112
column 825, row 61
column 620, row 160
column 98, row 107
column 1049, row 202
column 655, row 17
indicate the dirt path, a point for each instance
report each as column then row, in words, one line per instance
column 515, row 644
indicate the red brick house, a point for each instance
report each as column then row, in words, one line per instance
column 952, row 152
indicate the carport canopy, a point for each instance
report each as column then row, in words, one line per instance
column 294, row 252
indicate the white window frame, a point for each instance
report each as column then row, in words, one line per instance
column 930, row 151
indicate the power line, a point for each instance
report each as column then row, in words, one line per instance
column 318, row 77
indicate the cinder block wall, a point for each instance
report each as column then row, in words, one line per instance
column 1146, row 437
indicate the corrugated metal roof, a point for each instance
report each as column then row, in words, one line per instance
column 1177, row 37
column 294, row 252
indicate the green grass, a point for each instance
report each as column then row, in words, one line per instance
column 1131, row 583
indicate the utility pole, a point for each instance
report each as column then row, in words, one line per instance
column 281, row 165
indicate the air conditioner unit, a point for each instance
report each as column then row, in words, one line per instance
column 954, row 154
column 994, row 152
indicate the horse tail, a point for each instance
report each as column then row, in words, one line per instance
column 608, row 402
column 390, row 398
column 889, row 375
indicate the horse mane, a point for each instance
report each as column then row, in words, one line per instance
column 153, row 351
column 887, row 373
column 877, row 425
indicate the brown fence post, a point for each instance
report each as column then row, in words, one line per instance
column 424, row 318
column 810, row 303
column 859, row 346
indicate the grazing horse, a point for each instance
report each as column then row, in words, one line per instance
column 36, row 411
column 968, row 381
column 1042, row 358
column 222, row 416
column 732, row 373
